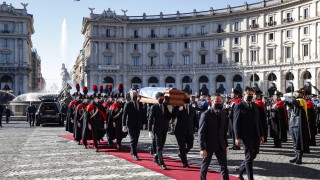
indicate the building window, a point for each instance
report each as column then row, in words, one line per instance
column 153, row 61
column 186, row 60
column 203, row 44
column 153, row 46
column 153, row 33
column 170, row 46
column 108, row 46
column 5, row 28
column 289, row 33
column 203, row 59
column 220, row 56
column 220, row 30
column 253, row 55
column 306, row 13
column 253, row 38
column 289, row 15
column 203, row 29
column 186, row 31
column 6, row 58
column 5, row 43
column 236, row 40
column 288, row 52
column 136, row 61
column 236, row 26
column 186, row 45
column 270, row 19
column 253, row 22
column 108, row 60
column 270, row 54
column 170, row 33
column 135, row 47
column 108, row 32
column 305, row 50
column 220, row 42
column 306, row 30
column 135, row 34
column 271, row 36
column 170, row 59
column 236, row 57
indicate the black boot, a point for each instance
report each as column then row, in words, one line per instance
column 294, row 159
column 299, row 159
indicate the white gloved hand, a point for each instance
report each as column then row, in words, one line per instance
column 151, row 136
column 89, row 126
column 114, row 124
column 180, row 108
column 143, row 126
column 125, row 129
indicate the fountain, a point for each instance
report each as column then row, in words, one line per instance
column 20, row 103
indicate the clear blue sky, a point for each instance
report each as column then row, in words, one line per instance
column 49, row 14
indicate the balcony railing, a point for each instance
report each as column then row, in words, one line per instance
column 287, row 20
column 220, row 30
column 254, row 26
column 169, row 36
column 271, row 23
column 152, row 36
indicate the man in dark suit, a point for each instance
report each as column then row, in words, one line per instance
column 158, row 125
column 133, row 121
column 184, row 128
column 248, row 129
column 213, row 137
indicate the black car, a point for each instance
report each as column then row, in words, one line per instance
column 48, row 112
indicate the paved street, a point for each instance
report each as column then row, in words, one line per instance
column 38, row 153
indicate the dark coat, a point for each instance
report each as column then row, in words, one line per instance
column 184, row 123
column 159, row 120
column 133, row 118
column 247, row 123
column 114, row 132
column 299, row 120
column 213, row 131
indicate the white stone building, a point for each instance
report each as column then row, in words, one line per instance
column 277, row 40
column 16, row 28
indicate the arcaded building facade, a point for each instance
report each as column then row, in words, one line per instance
column 16, row 28
column 272, row 43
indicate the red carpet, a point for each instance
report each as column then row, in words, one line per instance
column 174, row 166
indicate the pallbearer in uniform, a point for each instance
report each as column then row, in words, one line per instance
column 133, row 120
column 184, row 129
column 114, row 127
column 94, row 120
column 298, row 126
column 278, row 120
column 79, row 115
column 70, row 115
column 262, row 113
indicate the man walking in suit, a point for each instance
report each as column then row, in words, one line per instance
column 184, row 129
column 213, row 137
column 133, row 121
column 248, row 129
column 158, row 127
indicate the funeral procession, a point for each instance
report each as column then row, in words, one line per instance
column 229, row 91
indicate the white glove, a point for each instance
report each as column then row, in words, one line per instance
column 89, row 126
column 151, row 136
column 124, row 129
column 180, row 108
column 170, row 108
column 143, row 126
column 194, row 105
column 114, row 124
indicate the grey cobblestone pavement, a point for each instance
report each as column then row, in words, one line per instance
column 38, row 153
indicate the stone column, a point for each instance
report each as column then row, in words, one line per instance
column 178, row 81
column 195, row 84
column 229, row 83
column 211, row 84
